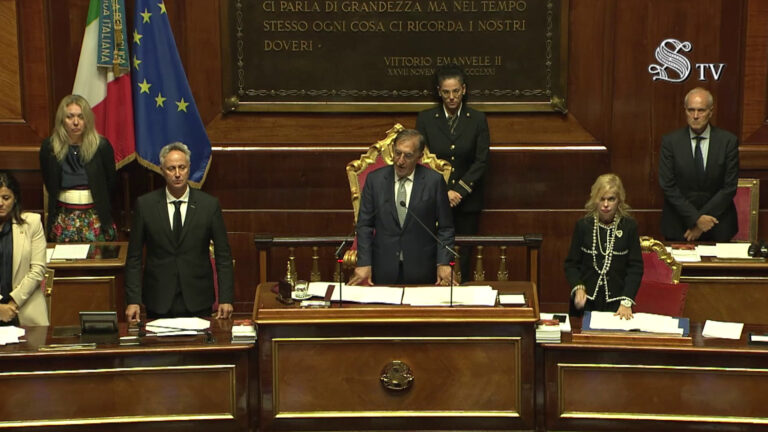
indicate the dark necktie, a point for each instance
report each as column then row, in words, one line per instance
column 698, row 158
column 452, row 120
column 177, row 220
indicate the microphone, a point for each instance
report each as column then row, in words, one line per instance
column 440, row 242
column 429, row 231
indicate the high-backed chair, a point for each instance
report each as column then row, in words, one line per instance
column 747, row 201
column 379, row 155
column 660, row 289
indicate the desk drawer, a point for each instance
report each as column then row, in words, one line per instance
column 453, row 376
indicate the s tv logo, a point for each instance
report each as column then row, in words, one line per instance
column 675, row 67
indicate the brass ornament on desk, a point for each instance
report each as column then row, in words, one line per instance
column 396, row 375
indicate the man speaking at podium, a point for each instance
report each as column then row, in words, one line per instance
column 176, row 224
column 393, row 247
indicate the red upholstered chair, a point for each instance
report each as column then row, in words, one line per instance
column 660, row 290
column 379, row 155
column 747, row 201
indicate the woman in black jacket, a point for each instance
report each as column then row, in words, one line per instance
column 78, row 167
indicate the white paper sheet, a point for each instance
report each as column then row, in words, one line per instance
column 683, row 255
column 317, row 289
column 706, row 250
column 70, row 251
column 10, row 334
column 722, row 330
column 512, row 299
column 732, row 250
column 480, row 295
column 177, row 326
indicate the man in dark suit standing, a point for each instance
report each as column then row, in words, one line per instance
column 459, row 134
column 393, row 247
column 176, row 224
column 698, row 172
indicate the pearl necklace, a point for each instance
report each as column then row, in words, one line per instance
column 610, row 238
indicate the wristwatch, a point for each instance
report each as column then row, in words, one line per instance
column 626, row 303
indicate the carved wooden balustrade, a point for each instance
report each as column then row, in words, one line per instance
column 485, row 249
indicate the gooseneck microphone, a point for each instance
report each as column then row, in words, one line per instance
column 440, row 242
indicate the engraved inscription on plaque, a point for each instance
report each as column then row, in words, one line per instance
column 381, row 55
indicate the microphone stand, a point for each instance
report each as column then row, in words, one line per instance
column 339, row 261
column 440, row 242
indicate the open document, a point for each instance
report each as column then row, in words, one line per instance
column 11, row 334
column 178, row 326
column 358, row 294
column 643, row 322
column 480, row 295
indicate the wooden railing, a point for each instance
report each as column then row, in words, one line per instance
column 531, row 242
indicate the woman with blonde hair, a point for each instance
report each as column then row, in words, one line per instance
column 78, row 167
column 605, row 264
column 22, row 259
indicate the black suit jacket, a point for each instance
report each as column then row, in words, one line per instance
column 685, row 199
column 466, row 150
column 101, row 180
column 380, row 238
column 189, row 260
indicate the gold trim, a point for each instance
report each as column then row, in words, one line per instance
column 410, row 320
column 561, row 367
column 127, row 419
column 517, row 341
column 649, row 244
column 754, row 200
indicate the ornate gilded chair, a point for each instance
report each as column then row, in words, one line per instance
column 747, row 201
column 660, row 289
column 379, row 155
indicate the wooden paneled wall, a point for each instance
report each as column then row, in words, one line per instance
column 284, row 173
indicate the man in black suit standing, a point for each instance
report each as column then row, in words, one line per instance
column 698, row 172
column 393, row 247
column 459, row 134
column 176, row 224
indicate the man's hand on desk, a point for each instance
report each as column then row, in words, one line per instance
column 444, row 275
column 225, row 311
column 362, row 276
column 132, row 313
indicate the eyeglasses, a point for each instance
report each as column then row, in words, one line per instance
column 408, row 156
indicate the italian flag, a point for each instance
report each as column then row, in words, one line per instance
column 109, row 95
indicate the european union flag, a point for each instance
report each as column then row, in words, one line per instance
column 163, row 106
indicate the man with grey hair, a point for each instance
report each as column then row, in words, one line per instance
column 699, row 173
column 392, row 246
column 177, row 224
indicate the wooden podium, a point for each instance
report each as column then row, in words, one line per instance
column 92, row 284
column 378, row 367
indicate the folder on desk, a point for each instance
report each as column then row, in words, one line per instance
column 642, row 322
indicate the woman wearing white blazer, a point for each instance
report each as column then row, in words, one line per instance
column 22, row 259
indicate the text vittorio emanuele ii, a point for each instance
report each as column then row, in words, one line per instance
column 376, row 24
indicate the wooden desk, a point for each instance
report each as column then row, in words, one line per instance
column 168, row 384
column 726, row 290
column 715, row 384
column 92, row 284
column 472, row 366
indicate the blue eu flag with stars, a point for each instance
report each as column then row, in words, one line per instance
column 164, row 109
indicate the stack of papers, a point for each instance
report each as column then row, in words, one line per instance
column 10, row 334
column 685, row 255
column 547, row 333
column 358, row 294
column 644, row 322
column 732, row 250
column 177, row 326
column 723, row 330
column 475, row 295
column 243, row 331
